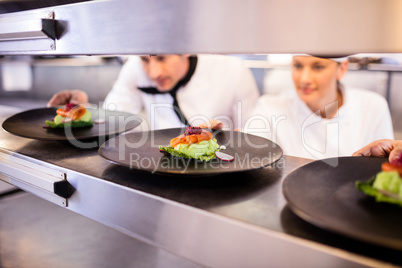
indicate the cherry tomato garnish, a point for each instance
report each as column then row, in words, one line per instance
column 389, row 167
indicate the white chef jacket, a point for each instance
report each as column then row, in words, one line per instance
column 221, row 88
column 286, row 120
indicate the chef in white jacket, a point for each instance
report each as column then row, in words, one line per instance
column 179, row 90
column 321, row 118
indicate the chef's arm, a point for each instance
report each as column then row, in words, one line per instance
column 383, row 148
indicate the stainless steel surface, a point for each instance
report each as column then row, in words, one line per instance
column 6, row 188
column 28, row 32
column 43, row 181
column 254, row 26
column 7, row 6
column 26, row 27
column 237, row 220
column 28, row 172
column 35, row 190
column 38, row 234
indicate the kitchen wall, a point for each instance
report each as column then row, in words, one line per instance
column 93, row 75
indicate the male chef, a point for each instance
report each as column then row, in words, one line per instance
column 178, row 90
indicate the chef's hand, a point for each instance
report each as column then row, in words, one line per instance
column 68, row 96
column 383, row 148
column 212, row 124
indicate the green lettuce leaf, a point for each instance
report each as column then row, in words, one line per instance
column 85, row 121
column 385, row 187
column 204, row 150
column 72, row 124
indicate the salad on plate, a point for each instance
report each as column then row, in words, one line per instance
column 195, row 143
column 71, row 115
column 385, row 186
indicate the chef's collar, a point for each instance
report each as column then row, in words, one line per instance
column 192, row 66
column 152, row 90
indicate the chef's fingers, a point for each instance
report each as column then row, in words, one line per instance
column 217, row 125
column 212, row 124
column 365, row 151
column 59, row 99
column 395, row 156
column 78, row 97
column 68, row 96
column 383, row 148
column 379, row 148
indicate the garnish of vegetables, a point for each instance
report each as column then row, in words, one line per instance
column 385, row 186
column 191, row 135
column 75, row 112
column 224, row 157
column 390, row 167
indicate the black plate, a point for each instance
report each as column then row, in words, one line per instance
column 141, row 151
column 30, row 124
column 325, row 195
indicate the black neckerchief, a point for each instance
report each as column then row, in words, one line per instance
column 152, row 90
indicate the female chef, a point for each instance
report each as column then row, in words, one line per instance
column 321, row 118
column 178, row 90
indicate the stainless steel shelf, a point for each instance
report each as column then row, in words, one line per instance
column 241, row 27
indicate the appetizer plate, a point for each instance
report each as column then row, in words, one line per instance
column 30, row 124
column 325, row 195
column 140, row 150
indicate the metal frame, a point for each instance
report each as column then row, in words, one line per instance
column 46, row 182
column 28, row 32
column 225, row 26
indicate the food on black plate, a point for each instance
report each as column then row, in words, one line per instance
column 72, row 115
column 196, row 143
column 385, row 186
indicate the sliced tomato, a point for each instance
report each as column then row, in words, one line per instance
column 62, row 112
column 389, row 167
